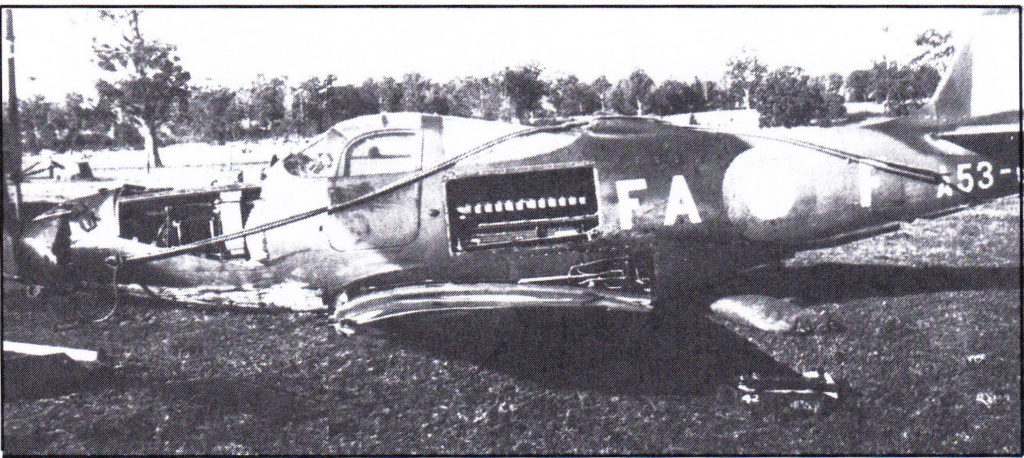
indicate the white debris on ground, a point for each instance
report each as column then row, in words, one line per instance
column 287, row 296
column 986, row 399
column 767, row 313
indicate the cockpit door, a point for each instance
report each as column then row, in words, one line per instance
column 369, row 162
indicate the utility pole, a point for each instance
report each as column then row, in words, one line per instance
column 12, row 133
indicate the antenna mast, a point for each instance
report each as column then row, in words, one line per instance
column 12, row 131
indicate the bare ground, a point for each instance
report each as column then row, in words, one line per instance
column 929, row 342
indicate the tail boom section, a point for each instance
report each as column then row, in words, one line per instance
column 778, row 193
column 998, row 142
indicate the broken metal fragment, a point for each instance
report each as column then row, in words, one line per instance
column 448, row 297
column 812, row 392
column 771, row 314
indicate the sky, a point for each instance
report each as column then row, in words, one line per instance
column 230, row 47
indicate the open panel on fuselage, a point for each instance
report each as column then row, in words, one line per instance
column 174, row 218
column 524, row 207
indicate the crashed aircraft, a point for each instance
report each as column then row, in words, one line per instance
column 402, row 213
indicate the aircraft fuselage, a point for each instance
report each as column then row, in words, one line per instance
column 621, row 204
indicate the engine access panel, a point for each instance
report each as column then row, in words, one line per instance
column 524, row 207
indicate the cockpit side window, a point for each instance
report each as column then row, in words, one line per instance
column 395, row 151
column 302, row 165
column 317, row 158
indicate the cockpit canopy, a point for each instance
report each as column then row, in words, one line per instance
column 384, row 143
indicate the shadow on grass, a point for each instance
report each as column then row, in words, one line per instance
column 38, row 377
column 835, row 282
column 266, row 401
column 674, row 351
column 593, row 350
column 35, row 377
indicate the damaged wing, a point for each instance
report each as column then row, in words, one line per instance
column 407, row 300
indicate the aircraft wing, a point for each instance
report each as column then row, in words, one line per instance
column 408, row 300
column 985, row 139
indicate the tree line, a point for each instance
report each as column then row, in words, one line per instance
column 149, row 99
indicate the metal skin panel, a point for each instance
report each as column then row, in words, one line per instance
column 449, row 297
column 651, row 150
column 699, row 205
column 386, row 222
column 676, row 207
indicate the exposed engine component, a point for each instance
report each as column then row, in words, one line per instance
column 616, row 274
column 173, row 219
column 521, row 208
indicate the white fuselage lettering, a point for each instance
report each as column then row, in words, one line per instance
column 628, row 205
column 867, row 184
column 680, row 202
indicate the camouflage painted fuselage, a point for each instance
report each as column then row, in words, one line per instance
column 672, row 204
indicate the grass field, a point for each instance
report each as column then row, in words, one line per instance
column 929, row 344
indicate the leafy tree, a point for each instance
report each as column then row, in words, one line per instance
column 477, row 97
column 524, row 89
column 346, row 102
column 148, row 82
column 86, row 125
column 883, row 74
column 618, row 100
column 604, row 89
column 465, row 95
column 742, row 78
column 264, row 105
column 834, row 82
column 785, row 97
column 415, row 92
column 834, row 107
column 320, row 104
column 310, row 104
column 215, row 114
column 291, row 125
column 674, row 97
column 76, row 124
column 574, row 98
column 700, row 96
column 36, row 115
column 833, row 104
column 908, row 87
column 716, row 98
column 69, row 120
column 900, row 87
column 935, row 50
column 44, row 124
column 438, row 100
column 858, row 85
column 640, row 85
column 494, row 102
column 926, row 80
column 387, row 91
column 669, row 98
column 633, row 93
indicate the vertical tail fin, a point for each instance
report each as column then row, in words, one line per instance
column 984, row 79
